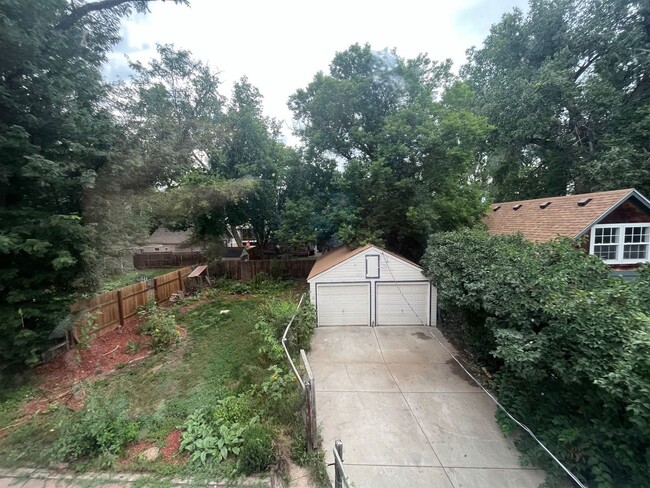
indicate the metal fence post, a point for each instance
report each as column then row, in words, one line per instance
column 338, row 472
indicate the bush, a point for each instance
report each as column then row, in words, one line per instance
column 256, row 455
column 571, row 345
column 103, row 429
column 161, row 326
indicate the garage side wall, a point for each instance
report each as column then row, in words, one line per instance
column 391, row 270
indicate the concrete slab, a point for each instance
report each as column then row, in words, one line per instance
column 353, row 377
column 432, row 378
column 407, row 414
column 344, row 345
column 502, row 478
column 375, row 428
column 392, row 477
column 410, row 345
column 462, row 430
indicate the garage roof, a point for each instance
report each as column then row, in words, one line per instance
column 342, row 253
column 334, row 257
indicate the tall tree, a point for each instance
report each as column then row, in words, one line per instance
column 406, row 139
column 567, row 88
column 55, row 135
column 251, row 149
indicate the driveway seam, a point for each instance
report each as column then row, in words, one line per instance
column 381, row 351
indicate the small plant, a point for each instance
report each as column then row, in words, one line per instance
column 132, row 347
column 256, row 454
column 103, row 430
column 207, row 440
column 87, row 330
column 161, row 327
column 279, row 383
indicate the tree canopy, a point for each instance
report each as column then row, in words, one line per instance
column 407, row 140
column 566, row 87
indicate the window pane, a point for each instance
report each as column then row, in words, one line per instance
column 635, row 251
column 606, row 235
column 636, row 234
column 605, row 252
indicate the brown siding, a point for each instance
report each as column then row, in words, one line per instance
column 628, row 212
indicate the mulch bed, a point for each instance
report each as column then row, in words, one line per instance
column 57, row 378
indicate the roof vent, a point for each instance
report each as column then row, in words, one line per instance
column 584, row 202
column 517, row 207
column 496, row 207
column 544, row 204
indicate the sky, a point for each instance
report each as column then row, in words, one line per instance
column 281, row 45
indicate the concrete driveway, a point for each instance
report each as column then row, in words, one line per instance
column 407, row 414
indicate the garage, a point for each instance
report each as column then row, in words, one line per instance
column 370, row 286
column 402, row 303
column 347, row 304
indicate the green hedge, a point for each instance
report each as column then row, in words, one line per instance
column 569, row 345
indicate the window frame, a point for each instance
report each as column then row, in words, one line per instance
column 369, row 272
column 620, row 245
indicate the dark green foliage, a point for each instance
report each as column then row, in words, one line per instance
column 56, row 137
column 256, row 455
column 570, row 346
column 407, row 140
column 566, row 86
column 102, row 430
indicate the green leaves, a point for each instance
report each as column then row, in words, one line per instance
column 568, row 345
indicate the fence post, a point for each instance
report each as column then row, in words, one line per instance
column 181, row 285
column 308, row 423
column 155, row 290
column 338, row 475
column 120, row 307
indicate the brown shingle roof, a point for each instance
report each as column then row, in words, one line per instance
column 334, row 257
column 162, row 235
column 562, row 217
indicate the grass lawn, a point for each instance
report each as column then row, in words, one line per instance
column 129, row 277
column 217, row 377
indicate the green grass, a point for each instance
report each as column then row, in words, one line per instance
column 130, row 277
column 219, row 358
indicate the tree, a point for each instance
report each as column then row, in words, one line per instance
column 251, row 149
column 55, row 136
column 567, row 88
column 408, row 143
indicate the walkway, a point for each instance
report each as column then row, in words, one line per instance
column 407, row 413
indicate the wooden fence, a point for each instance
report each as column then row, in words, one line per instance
column 166, row 259
column 276, row 268
column 108, row 311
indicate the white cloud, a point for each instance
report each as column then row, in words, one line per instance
column 281, row 45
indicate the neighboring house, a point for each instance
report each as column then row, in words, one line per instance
column 370, row 286
column 614, row 225
column 240, row 253
column 165, row 240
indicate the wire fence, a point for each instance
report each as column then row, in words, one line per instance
column 307, row 382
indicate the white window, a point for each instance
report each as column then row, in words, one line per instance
column 372, row 266
column 621, row 244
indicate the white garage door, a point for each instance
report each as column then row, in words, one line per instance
column 343, row 304
column 402, row 303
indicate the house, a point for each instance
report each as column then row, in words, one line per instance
column 370, row 286
column 614, row 225
column 165, row 240
column 240, row 253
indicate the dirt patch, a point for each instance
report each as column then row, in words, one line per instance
column 172, row 445
column 56, row 379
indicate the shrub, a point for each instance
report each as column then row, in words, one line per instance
column 103, row 429
column 256, row 455
column 571, row 344
column 273, row 319
column 161, row 326
column 132, row 347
